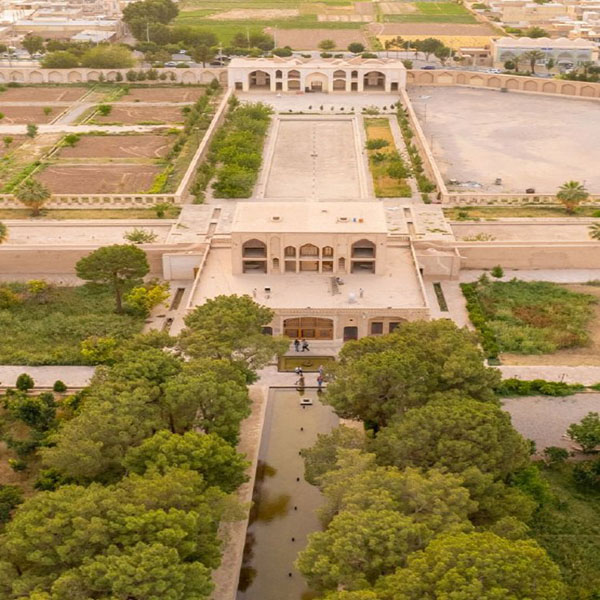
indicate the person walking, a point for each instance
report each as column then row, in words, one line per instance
column 299, row 371
column 297, row 345
column 320, row 383
column 305, row 346
column 320, row 369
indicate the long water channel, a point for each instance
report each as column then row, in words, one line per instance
column 284, row 503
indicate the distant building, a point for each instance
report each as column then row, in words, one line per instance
column 561, row 50
column 317, row 74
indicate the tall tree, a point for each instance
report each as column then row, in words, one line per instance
column 119, row 265
column 217, row 461
column 376, row 379
column 475, row 566
column 454, row 434
column 203, row 54
column 209, row 394
column 139, row 16
column 587, row 432
column 572, row 194
column 533, row 56
column 230, row 327
column 33, row 43
column 33, row 195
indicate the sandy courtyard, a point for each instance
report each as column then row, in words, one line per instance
column 524, row 139
column 314, row 158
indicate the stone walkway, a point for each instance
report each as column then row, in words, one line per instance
column 72, row 376
column 584, row 375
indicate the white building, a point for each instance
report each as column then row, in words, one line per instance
column 561, row 50
column 317, row 74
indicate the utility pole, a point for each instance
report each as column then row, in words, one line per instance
column 148, row 31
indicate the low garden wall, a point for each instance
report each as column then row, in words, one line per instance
column 75, row 201
column 32, row 75
column 581, row 89
column 477, row 199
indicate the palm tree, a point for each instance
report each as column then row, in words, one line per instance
column 33, row 195
column 533, row 56
column 595, row 231
column 3, row 232
column 572, row 194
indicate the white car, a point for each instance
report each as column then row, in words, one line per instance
column 495, row 71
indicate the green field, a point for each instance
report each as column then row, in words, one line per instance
column 435, row 12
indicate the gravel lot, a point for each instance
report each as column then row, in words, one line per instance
column 546, row 419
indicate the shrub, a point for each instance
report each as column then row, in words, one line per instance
column 140, row 236
column 104, row 109
column 24, row 382
column 587, row 432
column 32, row 130
column 497, row 272
column 10, row 497
column 398, row 170
column 59, row 387
column 519, row 387
column 553, row 455
column 587, row 474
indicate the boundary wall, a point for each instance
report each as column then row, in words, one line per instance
column 32, row 75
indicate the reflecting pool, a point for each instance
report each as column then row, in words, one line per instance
column 284, row 504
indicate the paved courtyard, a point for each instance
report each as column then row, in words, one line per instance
column 527, row 140
column 314, row 158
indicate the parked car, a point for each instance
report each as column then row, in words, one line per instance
column 428, row 68
column 171, row 63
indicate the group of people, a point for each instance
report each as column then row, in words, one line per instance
column 300, row 373
column 298, row 344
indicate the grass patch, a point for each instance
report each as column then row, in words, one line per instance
column 435, row 12
column 93, row 213
column 386, row 163
column 467, row 213
column 50, row 333
column 528, row 317
column 569, row 529
column 310, row 364
column 226, row 29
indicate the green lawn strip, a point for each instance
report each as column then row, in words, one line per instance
column 470, row 213
column 85, row 213
column 528, row 317
column 380, row 161
column 569, row 529
column 34, row 333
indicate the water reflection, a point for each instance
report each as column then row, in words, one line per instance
column 284, row 504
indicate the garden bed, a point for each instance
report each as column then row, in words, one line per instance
column 385, row 163
column 140, row 115
column 50, row 333
column 119, row 146
column 529, row 317
column 24, row 115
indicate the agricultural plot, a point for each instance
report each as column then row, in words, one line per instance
column 42, row 94
column 23, row 115
column 141, row 115
column 152, row 146
column 162, row 94
column 99, row 179
column 427, row 12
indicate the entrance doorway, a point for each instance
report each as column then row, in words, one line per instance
column 312, row 328
column 350, row 333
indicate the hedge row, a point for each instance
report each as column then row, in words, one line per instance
column 537, row 387
column 479, row 320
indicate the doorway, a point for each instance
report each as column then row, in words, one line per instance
column 312, row 328
column 350, row 333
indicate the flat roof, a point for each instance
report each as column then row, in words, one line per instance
column 315, row 61
column 309, row 217
column 398, row 287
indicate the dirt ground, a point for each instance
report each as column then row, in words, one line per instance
column 99, row 179
column 42, row 94
column 18, row 141
column 158, row 94
column 309, row 39
column 131, row 115
column 479, row 135
column 119, row 146
column 590, row 355
column 23, row 115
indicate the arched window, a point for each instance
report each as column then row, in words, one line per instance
column 339, row 74
column 354, row 74
column 275, row 264
column 327, row 252
column 254, row 249
column 290, row 251
column 293, row 74
column 278, row 74
column 309, row 250
column 363, row 249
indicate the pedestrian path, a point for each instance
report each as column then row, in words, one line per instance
column 71, row 376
